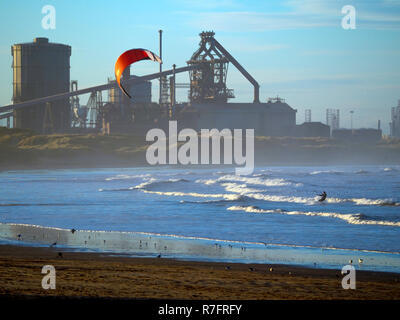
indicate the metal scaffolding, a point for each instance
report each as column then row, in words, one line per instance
column 208, row 83
column 307, row 115
column 332, row 118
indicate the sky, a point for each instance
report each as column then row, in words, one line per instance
column 295, row 49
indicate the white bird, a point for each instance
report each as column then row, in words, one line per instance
column 360, row 260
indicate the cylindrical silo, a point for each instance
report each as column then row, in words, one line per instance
column 41, row 69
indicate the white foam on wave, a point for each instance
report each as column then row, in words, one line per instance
column 126, row 177
column 255, row 180
column 239, row 188
column 390, row 169
column 378, row 202
column 312, row 201
column 195, row 194
column 349, row 218
column 257, row 195
column 326, row 172
column 278, row 198
column 146, row 184
column 207, row 181
column 244, row 190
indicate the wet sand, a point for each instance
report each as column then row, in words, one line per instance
column 96, row 275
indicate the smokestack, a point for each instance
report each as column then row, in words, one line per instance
column 160, row 54
column 379, row 124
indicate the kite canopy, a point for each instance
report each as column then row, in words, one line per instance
column 129, row 57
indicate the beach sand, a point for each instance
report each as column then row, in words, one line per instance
column 96, row 275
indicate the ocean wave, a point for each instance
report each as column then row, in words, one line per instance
column 314, row 200
column 250, row 180
column 361, row 172
column 114, row 190
column 261, row 175
column 239, row 198
column 194, row 194
column 127, row 177
column 243, row 190
column 378, row 202
column 154, row 182
column 326, row 172
column 357, row 218
column 389, row 169
column 239, row 188
column 146, row 184
column 207, row 181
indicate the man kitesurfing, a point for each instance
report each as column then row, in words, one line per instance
column 323, row 196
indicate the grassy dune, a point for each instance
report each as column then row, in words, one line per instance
column 26, row 149
column 23, row 148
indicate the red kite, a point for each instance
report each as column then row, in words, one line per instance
column 129, row 57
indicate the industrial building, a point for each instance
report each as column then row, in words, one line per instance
column 313, row 129
column 395, row 124
column 273, row 118
column 41, row 69
column 140, row 92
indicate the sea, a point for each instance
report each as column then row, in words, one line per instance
column 272, row 216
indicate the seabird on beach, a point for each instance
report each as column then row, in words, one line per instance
column 159, row 256
column 53, row 244
column 19, row 236
column 252, row 269
column 350, row 261
column 73, row 230
column 60, row 255
column 271, row 269
column 360, row 261
column 227, row 268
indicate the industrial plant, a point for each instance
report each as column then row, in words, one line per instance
column 47, row 101
column 395, row 124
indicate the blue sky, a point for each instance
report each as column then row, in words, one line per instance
column 295, row 49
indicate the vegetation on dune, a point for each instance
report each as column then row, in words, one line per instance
column 24, row 148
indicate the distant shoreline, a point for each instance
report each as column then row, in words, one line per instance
column 24, row 149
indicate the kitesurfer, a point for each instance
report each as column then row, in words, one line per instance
column 323, row 196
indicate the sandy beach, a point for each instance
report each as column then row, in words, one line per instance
column 95, row 275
